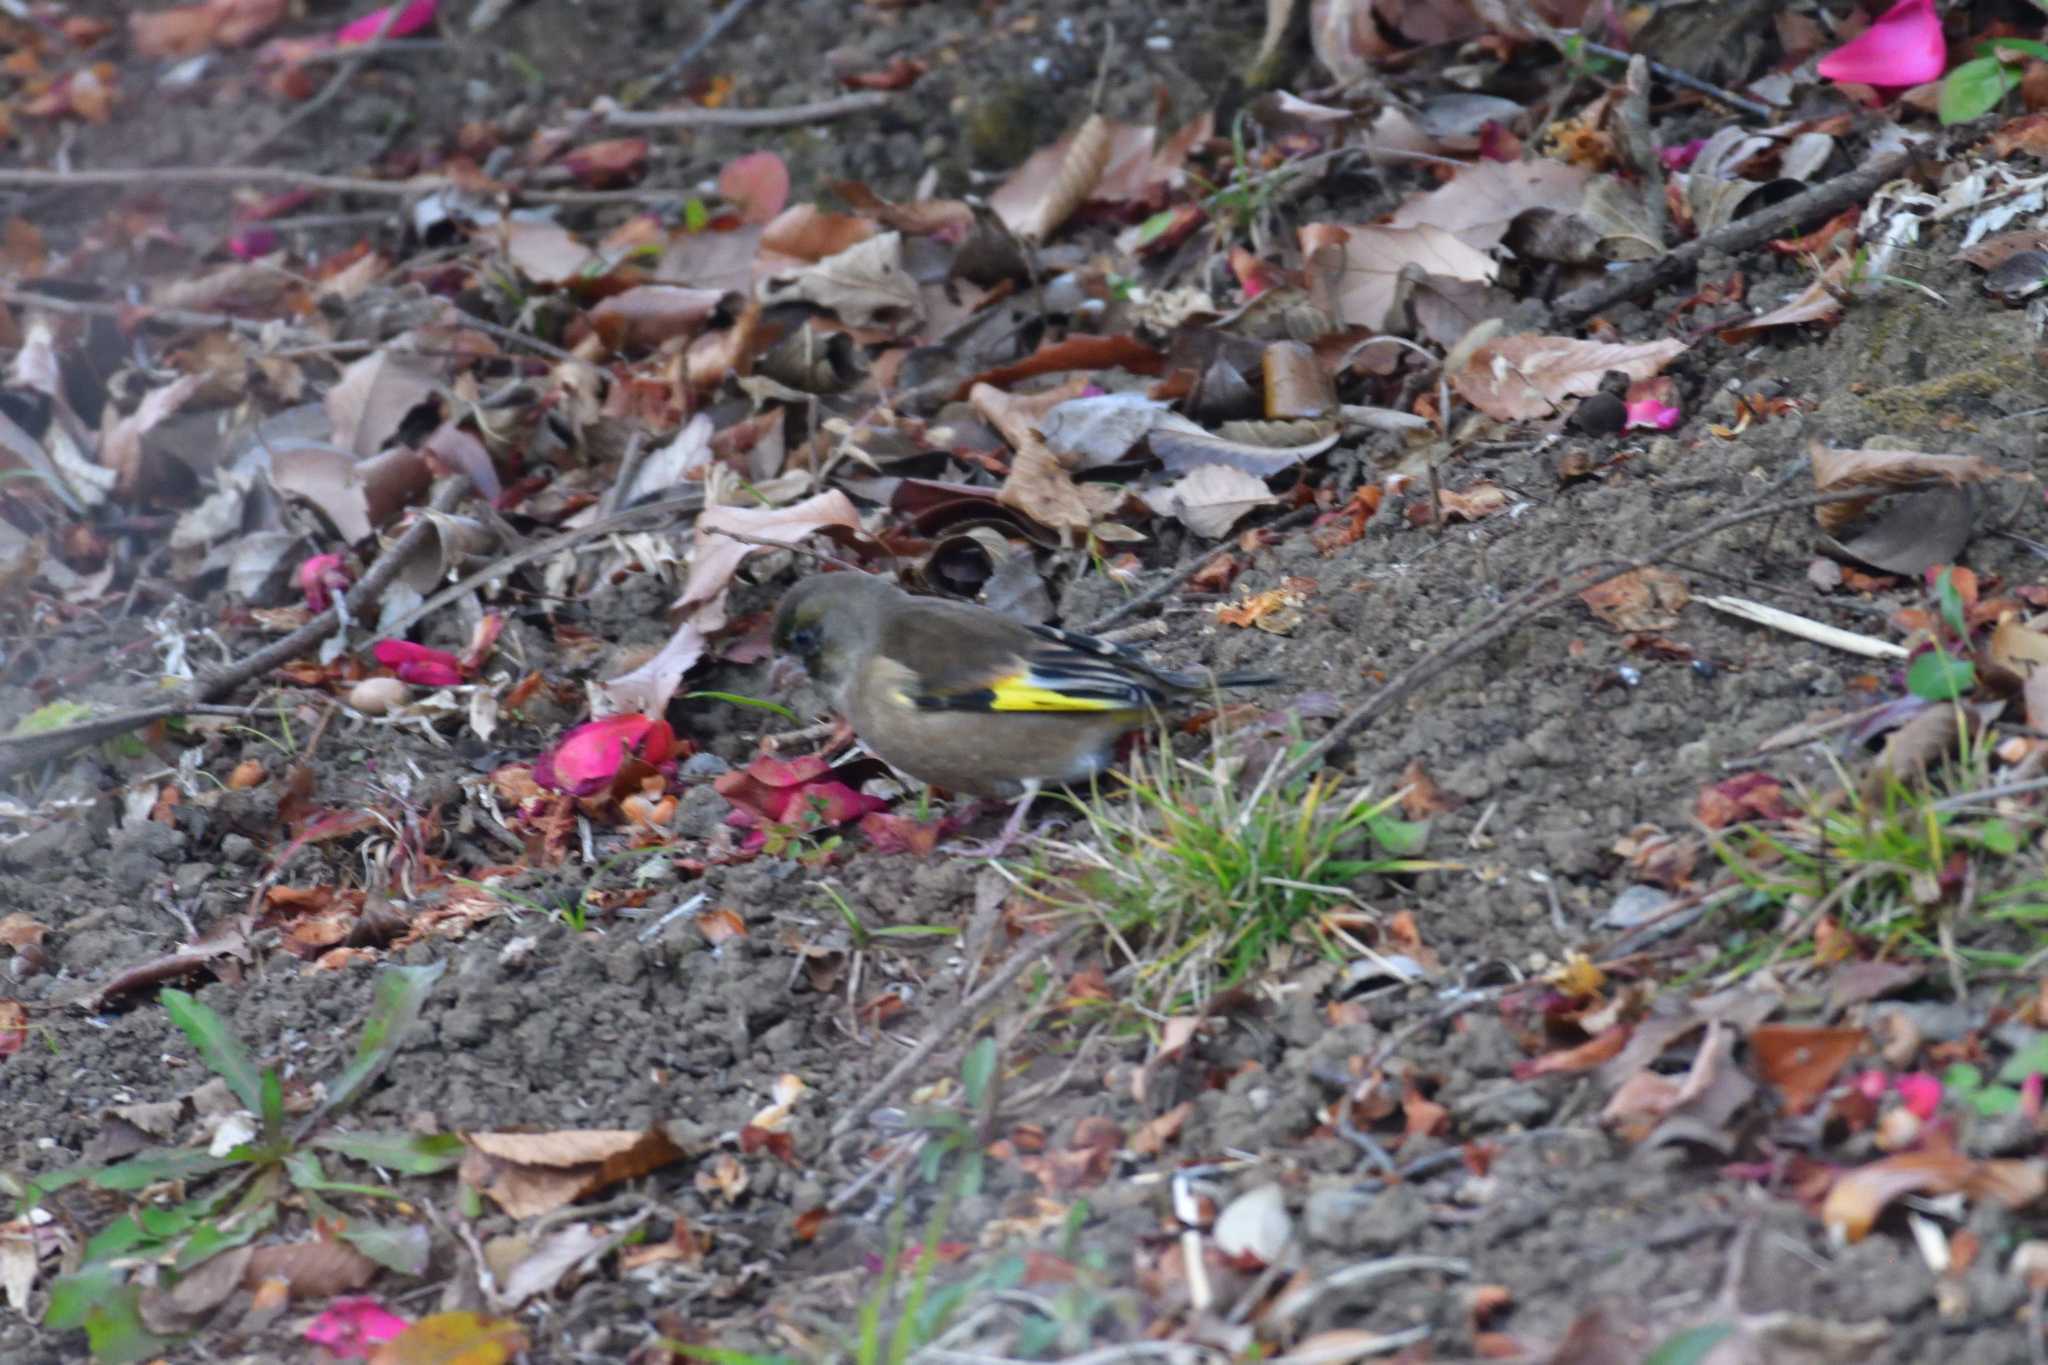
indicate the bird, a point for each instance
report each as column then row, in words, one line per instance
column 968, row 699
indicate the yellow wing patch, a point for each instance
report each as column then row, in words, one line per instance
column 1019, row 693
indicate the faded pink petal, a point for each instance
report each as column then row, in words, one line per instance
column 320, row 577
column 1904, row 47
column 758, row 183
column 250, row 243
column 1649, row 412
column 588, row 758
column 1678, row 157
column 419, row 664
column 1872, row 1085
column 353, row 1328
column 411, row 19
column 781, row 792
column 2030, row 1097
column 1920, row 1093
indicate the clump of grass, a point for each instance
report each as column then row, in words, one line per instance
column 1932, row 865
column 1204, row 878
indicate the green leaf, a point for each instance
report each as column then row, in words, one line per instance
column 741, row 699
column 400, row 993
column 1692, row 1345
column 1996, row 836
column 108, row 1310
column 1935, row 676
column 407, row 1153
column 1401, row 838
column 273, row 1103
column 1962, row 1077
column 1149, row 231
column 56, row 716
column 978, row 1071
column 148, row 1168
column 2026, row 45
column 1974, row 88
column 210, row 1239
column 402, row 1247
column 695, row 215
column 1996, row 1101
column 1950, row 599
column 2028, row 1061
column 218, row 1047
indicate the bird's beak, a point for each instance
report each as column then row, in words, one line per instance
column 784, row 674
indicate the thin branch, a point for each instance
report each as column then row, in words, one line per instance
column 142, row 312
column 714, row 30
column 1736, row 237
column 786, row 116
column 1185, row 572
column 1021, row 958
column 21, row 752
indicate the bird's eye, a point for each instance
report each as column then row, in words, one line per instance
column 804, row 640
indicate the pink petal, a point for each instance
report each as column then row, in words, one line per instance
column 1904, row 47
column 1920, row 1093
column 588, row 758
column 352, row 1327
column 1649, row 412
column 1679, row 157
column 419, row 664
column 1872, row 1085
column 319, row 577
column 411, row 19
column 250, row 243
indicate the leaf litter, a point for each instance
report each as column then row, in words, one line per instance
column 539, row 740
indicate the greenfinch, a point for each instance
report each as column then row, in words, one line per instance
column 967, row 699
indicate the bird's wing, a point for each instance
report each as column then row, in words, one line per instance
column 966, row 660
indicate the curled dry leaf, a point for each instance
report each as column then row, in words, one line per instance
column 1803, row 1062
column 1480, row 201
column 1644, row 600
column 1843, row 471
column 1210, row 499
column 1180, row 449
column 865, row 285
column 1043, row 193
column 1858, row 1197
column 1526, row 375
column 530, row 1173
column 1366, row 263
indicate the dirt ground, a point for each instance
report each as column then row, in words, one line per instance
column 1550, row 750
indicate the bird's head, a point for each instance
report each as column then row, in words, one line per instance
column 826, row 623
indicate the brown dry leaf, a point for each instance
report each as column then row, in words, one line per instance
column 865, row 285
column 1471, row 504
column 1816, row 303
column 546, row 253
column 1275, row 611
column 20, row 929
column 1527, row 375
column 1858, row 1197
column 314, row 1269
column 1346, row 38
column 1043, row 193
column 721, row 926
column 714, row 558
column 372, row 397
column 722, row 1176
column 648, row 314
column 1842, row 471
column 1367, row 288
column 1803, row 1062
column 803, row 233
column 1647, row 599
column 459, row 1338
column 1040, row 487
column 1020, row 418
column 1180, row 449
column 121, row 442
column 1478, row 203
column 1153, row 1135
column 530, row 1173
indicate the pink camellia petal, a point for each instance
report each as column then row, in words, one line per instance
column 353, row 1328
column 320, row 577
column 411, row 19
column 1920, row 1093
column 250, row 243
column 1679, row 157
column 1651, row 412
column 758, row 183
column 1872, row 1085
column 2030, row 1097
column 419, row 664
column 782, row 792
column 589, row 757
column 1904, row 47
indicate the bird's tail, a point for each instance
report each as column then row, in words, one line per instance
column 1207, row 682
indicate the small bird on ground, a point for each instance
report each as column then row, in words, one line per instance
column 968, row 699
